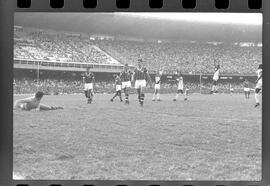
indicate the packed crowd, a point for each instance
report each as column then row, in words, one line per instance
column 59, row 47
column 57, row 86
column 186, row 56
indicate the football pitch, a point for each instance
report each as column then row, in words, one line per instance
column 208, row 137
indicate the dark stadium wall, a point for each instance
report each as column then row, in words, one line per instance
column 106, row 76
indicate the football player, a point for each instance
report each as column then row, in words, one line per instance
column 118, row 87
column 141, row 76
column 258, row 87
column 89, row 83
column 125, row 77
column 156, row 95
column 33, row 102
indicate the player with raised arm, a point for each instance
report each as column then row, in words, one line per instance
column 141, row 77
column 215, row 80
column 118, row 87
column 126, row 82
column 156, row 95
column 246, row 89
column 258, row 87
column 33, row 102
column 180, row 86
column 89, row 83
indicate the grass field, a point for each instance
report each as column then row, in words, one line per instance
column 208, row 137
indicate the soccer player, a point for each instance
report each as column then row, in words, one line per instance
column 126, row 84
column 141, row 76
column 33, row 102
column 215, row 80
column 246, row 89
column 89, row 82
column 117, row 88
column 231, row 90
column 180, row 88
column 258, row 87
column 157, row 85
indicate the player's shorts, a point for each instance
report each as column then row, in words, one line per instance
column 140, row 83
column 214, row 82
column 118, row 87
column 180, row 91
column 24, row 106
column 246, row 89
column 126, row 84
column 88, row 86
column 232, row 90
column 157, row 86
column 215, row 78
column 180, row 87
column 259, row 85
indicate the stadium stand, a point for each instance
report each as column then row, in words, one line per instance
column 186, row 56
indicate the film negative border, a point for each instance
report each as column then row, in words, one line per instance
column 7, row 9
column 141, row 5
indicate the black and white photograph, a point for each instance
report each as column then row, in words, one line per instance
column 137, row 96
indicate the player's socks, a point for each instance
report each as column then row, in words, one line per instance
column 158, row 98
column 257, row 99
column 142, row 99
column 86, row 93
column 257, row 104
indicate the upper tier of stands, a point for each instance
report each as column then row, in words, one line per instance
column 185, row 56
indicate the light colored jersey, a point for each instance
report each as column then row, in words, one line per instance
column 180, row 83
column 157, row 79
column 259, row 72
column 216, row 75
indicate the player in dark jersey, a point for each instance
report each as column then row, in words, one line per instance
column 140, row 76
column 118, row 87
column 125, row 76
column 246, row 89
column 89, row 83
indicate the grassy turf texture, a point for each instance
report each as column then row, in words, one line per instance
column 208, row 137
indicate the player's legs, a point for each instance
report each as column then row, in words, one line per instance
column 116, row 94
column 158, row 95
column 257, row 96
column 248, row 94
column 186, row 94
column 142, row 96
column 120, row 95
column 177, row 94
column 43, row 107
column 126, row 94
column 155, row 94
column 90, row 95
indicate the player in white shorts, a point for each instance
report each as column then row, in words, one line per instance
column 89, row 81
column 140, row 76
column 118, row 88
column 156, row 95
column 231, row 90
column 246, row 89
column 31, row 103
column 215, row 80
column 180, row 86
column 125, row 77
column 258, row 87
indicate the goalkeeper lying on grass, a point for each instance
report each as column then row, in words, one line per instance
column 33, row 103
